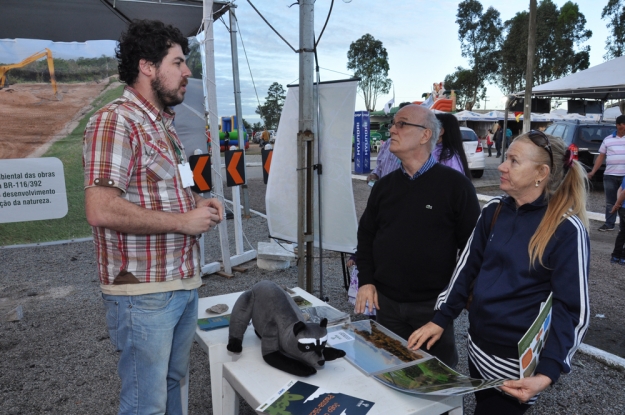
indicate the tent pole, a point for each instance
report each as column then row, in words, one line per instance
column 237, row 103
column 236, row 190
column 210, row 104
column 319, row 169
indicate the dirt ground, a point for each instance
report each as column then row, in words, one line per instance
column 32, row 116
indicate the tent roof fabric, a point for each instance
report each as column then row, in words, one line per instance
column 603, row 81
column 82, row 20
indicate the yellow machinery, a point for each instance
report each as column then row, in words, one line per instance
column 47, row 53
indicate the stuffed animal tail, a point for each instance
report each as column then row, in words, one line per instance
column 239, row 319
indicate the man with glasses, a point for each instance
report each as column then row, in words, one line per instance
column 416, row 221
column 612, row 151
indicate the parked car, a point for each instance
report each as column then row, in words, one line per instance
column 474, row 151
column 583, row 139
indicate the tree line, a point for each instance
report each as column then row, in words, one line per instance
column 497, row 51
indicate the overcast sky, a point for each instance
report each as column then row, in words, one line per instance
column 421, row 38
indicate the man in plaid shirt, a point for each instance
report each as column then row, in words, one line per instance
column 146, row 220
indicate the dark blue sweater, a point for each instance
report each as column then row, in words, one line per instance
column 412, row 230
column 508, row 291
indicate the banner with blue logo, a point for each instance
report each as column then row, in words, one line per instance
column 362, row 151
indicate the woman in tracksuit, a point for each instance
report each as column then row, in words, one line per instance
column 525, row 246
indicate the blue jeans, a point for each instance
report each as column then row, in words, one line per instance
column 154, row 333
column 610, row 187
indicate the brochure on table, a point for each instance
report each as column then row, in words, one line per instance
column 380, row 353
column 301, row 398
column 533, row 341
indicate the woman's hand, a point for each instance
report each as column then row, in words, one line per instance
column 430, row 331
column 525, row 389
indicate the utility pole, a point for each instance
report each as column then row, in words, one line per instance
column 485, row 101
column 529, row 73
column 305, row 146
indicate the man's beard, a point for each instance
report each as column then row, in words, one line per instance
column 167, row 97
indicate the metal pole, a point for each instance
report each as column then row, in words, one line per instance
column 237, row 102
column 529, row 73
column 210, row 103
column 504, row 139
column 236, row 190
column 319, row 173
column 305, row 141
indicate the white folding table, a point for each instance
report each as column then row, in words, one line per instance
column 247, row 375
column 214, row 342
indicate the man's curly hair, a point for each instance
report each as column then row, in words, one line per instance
column 149, row 40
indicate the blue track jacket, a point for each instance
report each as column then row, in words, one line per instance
column 508, row 291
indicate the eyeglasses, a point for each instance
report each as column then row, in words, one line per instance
column 400, row 124
column 541, row 140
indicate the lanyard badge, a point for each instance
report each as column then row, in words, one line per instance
column 186, row 175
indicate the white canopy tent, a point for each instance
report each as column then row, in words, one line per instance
column 604, row 81
column 499, row 115
column 473, row 116
column 82, row 20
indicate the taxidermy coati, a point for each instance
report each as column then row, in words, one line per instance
column 287, row 342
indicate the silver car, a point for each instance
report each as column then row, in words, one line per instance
column 474, row 151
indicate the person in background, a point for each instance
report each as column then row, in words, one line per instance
column 146, row 221
column 417, row 219
column 618, row 254
column 352, row 291
column 526, row 245
column 449, row 150
column 498, row 139
column 612, row 151
column 386, row 163
column 508, row 137
column 264, row 138
column 489, row 142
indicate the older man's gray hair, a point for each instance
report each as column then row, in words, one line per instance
column 431, row 122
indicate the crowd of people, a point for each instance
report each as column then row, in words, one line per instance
column 426, row 250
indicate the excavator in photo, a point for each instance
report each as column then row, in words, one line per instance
column 47, row 53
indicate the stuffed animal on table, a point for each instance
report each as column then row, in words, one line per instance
column 288, row 343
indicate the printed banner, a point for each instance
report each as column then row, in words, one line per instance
column 32, row 189
column 362, row 152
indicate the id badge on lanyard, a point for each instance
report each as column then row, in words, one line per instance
column 186, row 175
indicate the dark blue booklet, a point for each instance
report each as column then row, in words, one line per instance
column 301, row 398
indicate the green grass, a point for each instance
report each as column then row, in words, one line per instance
column 74, row 224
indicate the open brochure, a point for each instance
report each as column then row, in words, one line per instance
column 531, row 344
column 380, row 353
column 301, row 398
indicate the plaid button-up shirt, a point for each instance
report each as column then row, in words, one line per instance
column 126, row 146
